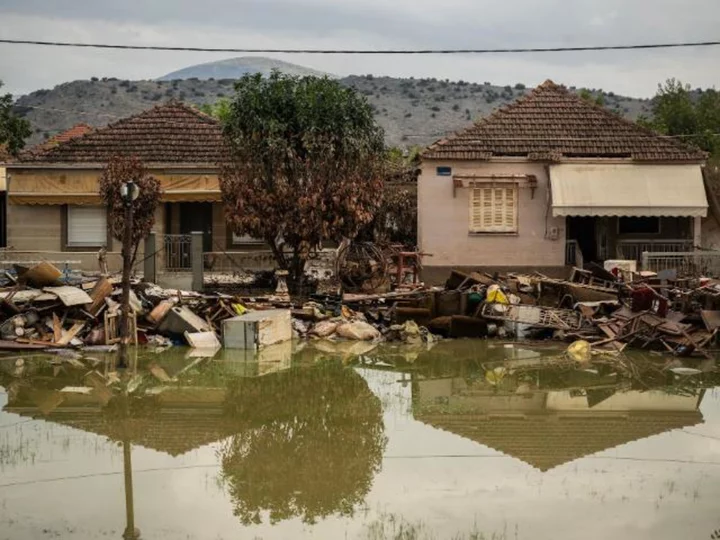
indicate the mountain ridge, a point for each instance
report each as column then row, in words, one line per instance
column 413, row 112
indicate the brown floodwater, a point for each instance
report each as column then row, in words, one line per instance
column 467, row 440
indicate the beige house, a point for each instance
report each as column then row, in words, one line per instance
column 551, row 180
column 53, row 200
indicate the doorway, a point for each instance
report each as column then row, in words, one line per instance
column 197, row 217
column 583, row 230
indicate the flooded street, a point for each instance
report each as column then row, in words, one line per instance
column 468, row 440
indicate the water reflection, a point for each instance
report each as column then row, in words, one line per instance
column 515, row 401
column 298, row 436
column 298, row 441
column 309, row 445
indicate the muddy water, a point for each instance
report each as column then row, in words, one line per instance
column 358, row 443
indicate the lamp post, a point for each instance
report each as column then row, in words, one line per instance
column 129, row 191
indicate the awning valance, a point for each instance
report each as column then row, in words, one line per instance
column 628, row 190
column 81, row 188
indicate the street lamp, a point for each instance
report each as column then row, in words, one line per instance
column 129, row 192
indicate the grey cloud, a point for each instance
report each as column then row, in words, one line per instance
column 370, row 24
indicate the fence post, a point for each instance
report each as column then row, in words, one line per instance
column 196, row 260
column 149, row 268
column 645, row 261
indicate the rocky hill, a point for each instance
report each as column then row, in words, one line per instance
column 412, row 111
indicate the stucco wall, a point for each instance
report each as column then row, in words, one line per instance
column 38, row 228
column 443, row 221
column 35, row 228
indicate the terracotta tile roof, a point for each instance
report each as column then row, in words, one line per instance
column 546, row 441
column 76, row 131
column 552, row 123
column 169, row 133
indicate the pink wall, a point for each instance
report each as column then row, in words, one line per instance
column 443, row 221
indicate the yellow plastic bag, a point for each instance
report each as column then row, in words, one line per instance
column 579, row 351
column 496, row 296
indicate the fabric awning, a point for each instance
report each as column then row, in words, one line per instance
column 628, row 190
column 81, row 188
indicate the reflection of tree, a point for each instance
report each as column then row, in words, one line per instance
column 309, row 444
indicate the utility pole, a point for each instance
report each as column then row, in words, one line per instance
column 129, row 191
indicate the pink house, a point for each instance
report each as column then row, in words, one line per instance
column 552, row 180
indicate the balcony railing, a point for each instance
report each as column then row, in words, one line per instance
column 686, row 264
column 573, row 255
column 633, row 249
column 178, row 255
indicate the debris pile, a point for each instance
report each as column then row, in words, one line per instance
column 648, row 311
column 44, row 309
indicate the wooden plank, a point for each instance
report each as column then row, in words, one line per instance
column 70, row 296
column 711, row 319
column 102, row 289
column 70, row 334
column 57, row 328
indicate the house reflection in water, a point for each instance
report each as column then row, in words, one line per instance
column 547, row 418
column 292, row 440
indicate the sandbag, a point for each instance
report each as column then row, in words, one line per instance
column 358, row 330
column 324, row 328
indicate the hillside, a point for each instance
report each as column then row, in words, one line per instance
column 234, row 68
column 412, row 111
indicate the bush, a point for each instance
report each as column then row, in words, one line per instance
column 519, row 86
column 456, row 107
column 435, row 108
column 408, row 115
column 94, row 79
column 124, row 84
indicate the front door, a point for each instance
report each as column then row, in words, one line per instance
column 197, row 217
column 582, row 230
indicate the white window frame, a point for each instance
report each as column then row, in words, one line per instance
column 493, row 208
column 72, row 212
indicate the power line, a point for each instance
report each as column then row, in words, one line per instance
column 364, row 51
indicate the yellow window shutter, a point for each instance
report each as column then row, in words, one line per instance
column 493, row 209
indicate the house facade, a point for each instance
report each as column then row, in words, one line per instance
column 53, row 203
column 550, row 181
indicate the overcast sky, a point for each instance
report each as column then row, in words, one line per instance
column 370, row 24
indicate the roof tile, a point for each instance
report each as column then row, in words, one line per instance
column 552, row 123
column 169, row 133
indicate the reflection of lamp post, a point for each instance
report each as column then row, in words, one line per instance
column 129, row 191
column 131, row 533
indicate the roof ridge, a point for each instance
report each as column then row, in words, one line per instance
column 552, row 120
column 172, row 132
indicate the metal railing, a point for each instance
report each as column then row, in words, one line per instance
column 228, row 262
column 687, row 264
column 65, row 261
column 633, row 249
column 573, row 255
column 178, row 255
